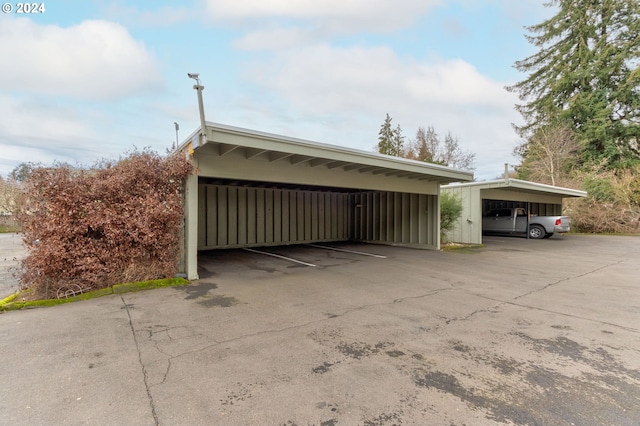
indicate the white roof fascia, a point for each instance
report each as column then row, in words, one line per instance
column 521, row 184
column 221, row 133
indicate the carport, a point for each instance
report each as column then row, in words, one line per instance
column 480, row 197
column 252, row 188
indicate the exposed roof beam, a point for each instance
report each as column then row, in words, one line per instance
column 297, row 159
column 225, row 149
column 337, row 164
column 253, row 152
column 400, row 173
column 276, row 156
column 350, row 167
column 415, row 177
column 319, row 162
column 405, row 174
column 369, row 169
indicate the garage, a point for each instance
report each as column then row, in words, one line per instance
column 254, row 189
column 478, row 198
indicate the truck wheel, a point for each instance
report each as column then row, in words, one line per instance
column 536, row 232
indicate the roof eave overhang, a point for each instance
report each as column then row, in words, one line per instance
column 224, row 139
column 524, row 186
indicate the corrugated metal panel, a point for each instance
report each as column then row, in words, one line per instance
column 230, row 216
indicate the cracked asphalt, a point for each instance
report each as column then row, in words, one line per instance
column 520, row 331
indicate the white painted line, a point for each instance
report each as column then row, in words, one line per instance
column 280, row 257
column 348, row 251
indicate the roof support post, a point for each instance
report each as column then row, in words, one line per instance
column 528, row 219
column 191, row 225
column 437, row 219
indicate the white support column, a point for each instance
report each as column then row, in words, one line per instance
column 191, row 224
column 437, row 216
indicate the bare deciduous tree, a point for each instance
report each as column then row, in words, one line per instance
column 424, row 146
column 428, row 147
column 453, row 156
column 10, row 195
column 548, row 154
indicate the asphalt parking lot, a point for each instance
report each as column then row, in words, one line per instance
column 526, row 332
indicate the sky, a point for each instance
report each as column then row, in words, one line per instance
column 84, row 81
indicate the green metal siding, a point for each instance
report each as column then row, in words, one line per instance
column 242, row 217
column 232, row 216
column 395, row 218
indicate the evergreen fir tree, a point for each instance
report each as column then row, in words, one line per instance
column 385, row 138
column 585, row 75
column 398, row 142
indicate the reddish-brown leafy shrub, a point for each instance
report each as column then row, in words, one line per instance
column 94, row 228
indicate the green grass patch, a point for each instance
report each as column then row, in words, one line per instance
column 8, row 299
column 461, row 247
column 9, row 228
column 10, row 304
column 145, row 285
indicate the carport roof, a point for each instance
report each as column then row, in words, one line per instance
column 523, row 186
column 222, row 139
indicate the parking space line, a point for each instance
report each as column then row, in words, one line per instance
column 349, row 251
column 280, row 257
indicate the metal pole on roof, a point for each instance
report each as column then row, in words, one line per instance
column 199, row 88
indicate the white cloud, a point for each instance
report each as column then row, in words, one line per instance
column 346, row 92
column 530, row 10
column 454, row 28
column 454, row 82
column 374, row 15
column 274, row 38
column 92, row 60
column 40, row 130
column 29, row 118
column 321, row 78
column 165, row 16
column 340, row 95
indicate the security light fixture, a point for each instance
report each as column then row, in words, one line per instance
column 195, row 76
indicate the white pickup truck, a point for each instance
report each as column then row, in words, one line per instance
column 514, row 221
